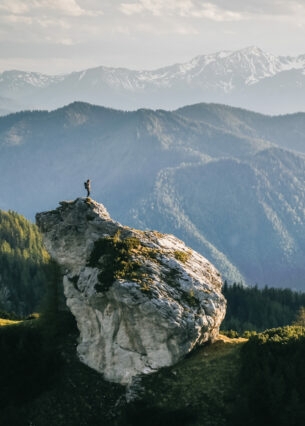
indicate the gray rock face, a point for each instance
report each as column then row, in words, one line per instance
column 142, row 300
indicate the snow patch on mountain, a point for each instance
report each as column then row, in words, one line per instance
column 18, row 79
column 250, row 64
column 225, row 76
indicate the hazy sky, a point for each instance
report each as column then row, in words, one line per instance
column 58, row 36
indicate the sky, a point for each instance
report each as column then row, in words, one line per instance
column 61, row 36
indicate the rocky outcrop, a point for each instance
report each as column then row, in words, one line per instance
column 142, row 300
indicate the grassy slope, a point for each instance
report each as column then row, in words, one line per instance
column 69, row 393
column 197, row 391
column 4, row 322
column 200, row 390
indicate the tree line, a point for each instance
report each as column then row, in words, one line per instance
column 271, row 379
column 24, row 265
column 258, row 309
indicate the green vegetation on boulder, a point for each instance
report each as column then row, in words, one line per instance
column 116, row 258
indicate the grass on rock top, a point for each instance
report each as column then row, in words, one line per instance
column 182, row 256
column 116, row 258
column 120, row 257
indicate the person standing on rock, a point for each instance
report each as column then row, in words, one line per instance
column 87, row 185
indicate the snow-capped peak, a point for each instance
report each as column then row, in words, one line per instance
column 211, row 77
column 17, row 79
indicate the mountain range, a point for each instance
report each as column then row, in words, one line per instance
column 229, row 182
column 249, row 78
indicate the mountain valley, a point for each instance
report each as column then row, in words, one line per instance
column 229, row 182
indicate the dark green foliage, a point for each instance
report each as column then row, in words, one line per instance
column 230, row 333
column 300, row 317
column 251, row 308
column 27, row 364
column 23, row 264
column 30, row 360
column 138, row 415
column 114, row 256
column 189, row 298
column 200, row 390
column 9, row 315
column 42, row 381
column 272, row 378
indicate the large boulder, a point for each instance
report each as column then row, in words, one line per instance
column 142, row 300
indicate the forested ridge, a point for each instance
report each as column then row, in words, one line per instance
column 256, row 309
column 23, row 265
column 219, row 178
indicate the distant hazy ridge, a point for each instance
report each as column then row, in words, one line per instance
column 248, row 78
